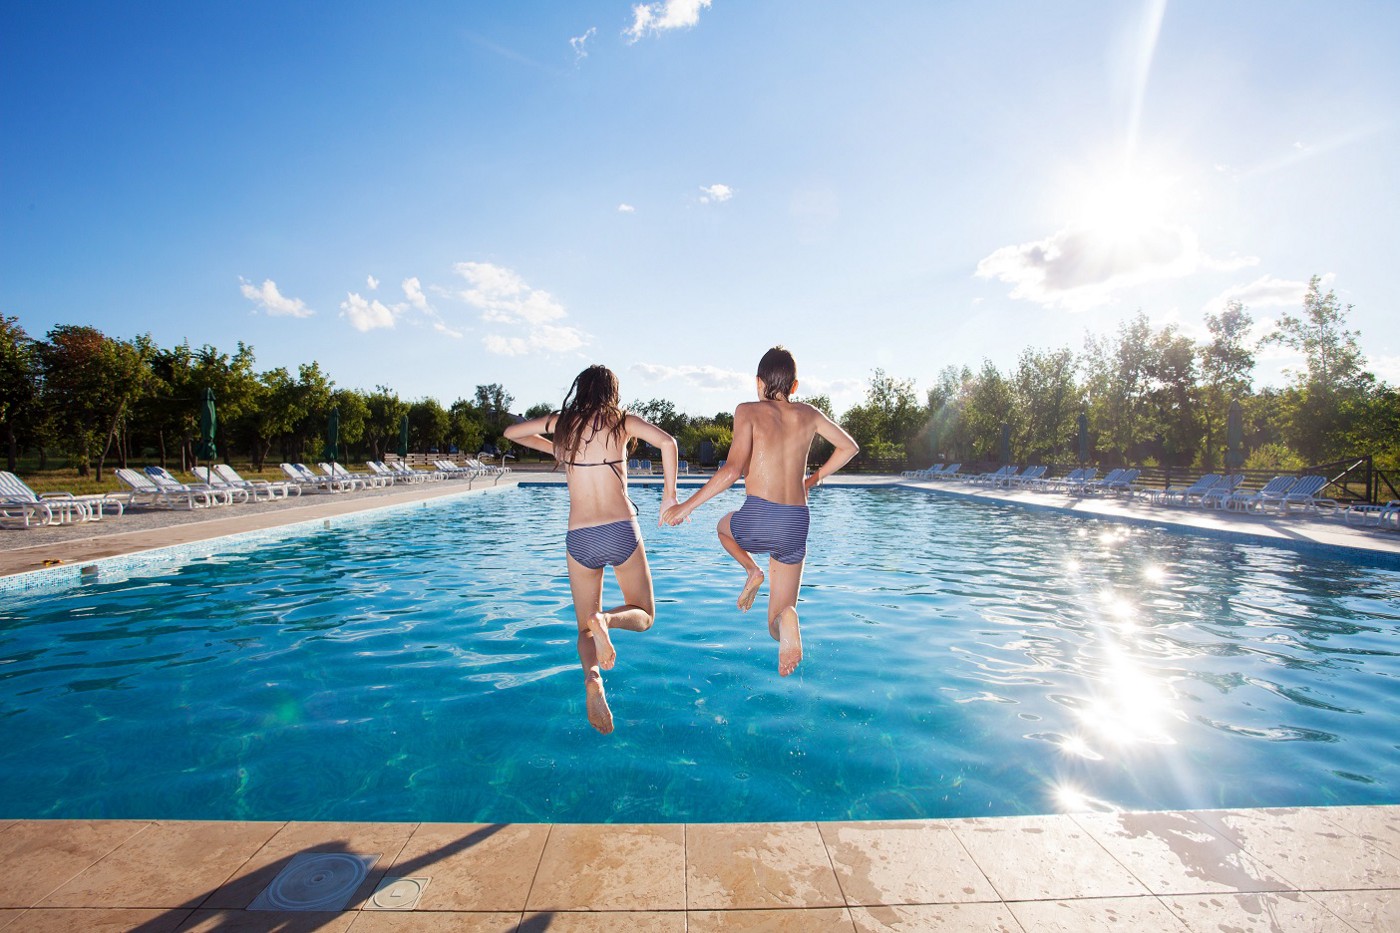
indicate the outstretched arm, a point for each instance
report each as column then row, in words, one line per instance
column 846, row 448
column 531, row 433
column 729, row 474
column 640, row 427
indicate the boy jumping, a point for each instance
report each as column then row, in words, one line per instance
column 771, row 440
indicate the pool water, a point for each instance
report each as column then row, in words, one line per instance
column 962, row 659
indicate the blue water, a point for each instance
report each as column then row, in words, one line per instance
column 961, row 659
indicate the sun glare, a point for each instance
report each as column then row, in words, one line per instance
column 1126, row 205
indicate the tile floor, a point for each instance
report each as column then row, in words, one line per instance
column 1235, row 871
column 1321, row 869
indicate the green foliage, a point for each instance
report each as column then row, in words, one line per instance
column 890, row 415
column 1151, row 394
column 1328, row 396
column 384, row 412
column 539, row 410
column 21, row 416
column 662, row 413
column 428, row 425
column 1274, row 456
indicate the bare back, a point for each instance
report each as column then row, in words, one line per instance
column 776, row 436
column 597, row 478
column 597, row 471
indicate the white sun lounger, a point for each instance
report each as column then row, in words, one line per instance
column 256, row 487
column 22, row 506
column 1271, row 493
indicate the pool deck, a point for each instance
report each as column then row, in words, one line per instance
column 1314, row 869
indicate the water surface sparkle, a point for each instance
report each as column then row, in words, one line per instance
column 962, row 659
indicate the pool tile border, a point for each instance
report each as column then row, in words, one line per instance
column 116, row 567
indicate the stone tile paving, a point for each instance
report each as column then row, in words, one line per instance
column 1278, row 870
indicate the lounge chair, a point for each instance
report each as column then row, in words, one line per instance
column 683, row 467
column 216, row 496
column 22, row 506
column 487, row 468
column 301, row 474
column 340, row 476
column 456, row 471
column 1072, row 480
column 1271, row 493
column 1116, row 482
column 373, row 480
column 1183, row 495
column 1215, row 496
column 949, row 472
column 995, row 477
column 1029, row 475
column 402, row 470
column 1304, row 494
column 142, row 487
column 255, row 487
column 1374, row 516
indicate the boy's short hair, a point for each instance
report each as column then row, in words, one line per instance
column 778, row 371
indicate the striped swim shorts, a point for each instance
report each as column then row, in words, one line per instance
column 600, row 545
column 772, row 528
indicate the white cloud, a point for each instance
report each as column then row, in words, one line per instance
column 368, row 315
column 272, row 301
column 716, row 194
column 372, row 282
column 503, row 297
column 413, row 291
column 626, row 209
column 1264, row 292
column 663, row 15
column 702, row 377
column 1079, row 268
column 577, row 42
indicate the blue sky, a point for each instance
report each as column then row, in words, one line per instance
column 434, row 195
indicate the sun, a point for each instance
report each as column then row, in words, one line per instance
column 1125, row 205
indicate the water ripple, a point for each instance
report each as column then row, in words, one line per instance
column 961, row 659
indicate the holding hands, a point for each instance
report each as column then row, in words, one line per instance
column 667, row 504
column 676, row 512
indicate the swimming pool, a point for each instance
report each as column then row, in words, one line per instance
column 962, row 659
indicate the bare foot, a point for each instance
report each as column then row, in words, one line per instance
column 602, row 641
column 789, row 642
column 599, row 715
column 750, row 589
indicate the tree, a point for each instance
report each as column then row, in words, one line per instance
column 888, row 420
column 662, row 413
column 1047, row 402
column 1227, row 367
column 944, row 433
column 466, row 427
column 385, row 411
column 354, row 414
column 539, row 410
column 89, row 381
column 428, row 425
column 1117, row 384
column 19, row 386
column 1330, row 390
column 1171, row 396
column 989, row 403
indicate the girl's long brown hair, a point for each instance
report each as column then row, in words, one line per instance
column 589, row 407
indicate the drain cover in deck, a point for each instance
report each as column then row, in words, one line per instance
column 316, row 881
column 397, row 894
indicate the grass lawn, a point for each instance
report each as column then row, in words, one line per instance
column 67, row 479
